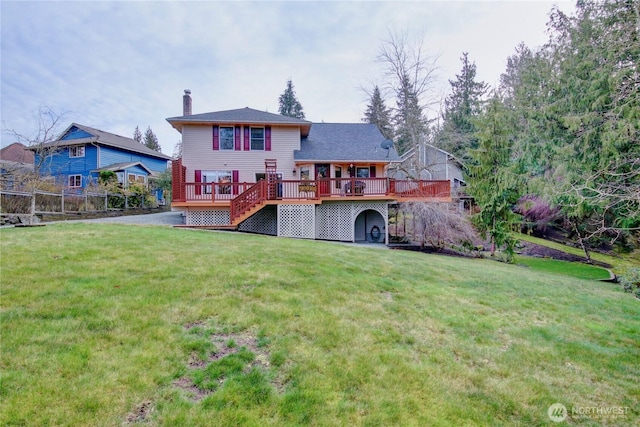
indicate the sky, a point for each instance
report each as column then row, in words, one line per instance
column 115, row 65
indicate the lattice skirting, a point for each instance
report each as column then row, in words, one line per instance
column 296, row 221
column 340, row 221
column 337, row 221
column 265, row 221
column 207, row 217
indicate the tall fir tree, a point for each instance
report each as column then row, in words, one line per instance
column 378, row 114
column 151, row 140
column 137, row 135
column 491, row 179
column 537, row 131
column 457, row 134
column 289, row 104
column 410, row 124
column 595, row 54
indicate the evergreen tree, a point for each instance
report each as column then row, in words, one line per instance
column 410, row 124
column 151, row 140
column 537, row 130
column 492, row 181
column 137, row 135
column 596, row 54
column 378, row 114
column 461, row 106
column 289, row 104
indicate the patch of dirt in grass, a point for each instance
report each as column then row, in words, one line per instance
column 140, row 414
column 195, row 324
column 225, row 344
column 194, row 393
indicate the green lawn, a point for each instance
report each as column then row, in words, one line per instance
column 124, row 325
column 573, row 269
column 620, row 262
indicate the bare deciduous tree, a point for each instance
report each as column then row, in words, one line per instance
column 439, row 224
column 47, row 130
column 409, row 73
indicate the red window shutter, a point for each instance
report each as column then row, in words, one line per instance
column 198, row 179
column 372, row 171
column 236, row 135
column 267, row 138
column 216, row 137
column 247, row 138
column 235, row 177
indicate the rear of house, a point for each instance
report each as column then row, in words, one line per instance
column 255, row 171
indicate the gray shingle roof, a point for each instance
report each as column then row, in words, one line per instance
column 241, row 115
column 345, row 142
column 110, row 139
column 122, row 166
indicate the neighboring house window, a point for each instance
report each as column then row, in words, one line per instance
column 76, row 151
column 362, row 172
column 120, row 176
column 226, row 138
column 136, row 178
column 257, row 138
column 75, row 180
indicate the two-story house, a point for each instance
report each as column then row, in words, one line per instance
column 81, row 152
column 265, row 173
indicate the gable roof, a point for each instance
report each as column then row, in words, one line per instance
column 79, row 134
column 239, row 116
column 411, row 152
column 353, row 142
column 17, row 152
column 116, row 167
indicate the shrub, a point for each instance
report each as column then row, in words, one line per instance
column 537, row 213
column 631, row 281
column 438, row 224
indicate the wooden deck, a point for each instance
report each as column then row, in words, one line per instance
column 244, row 199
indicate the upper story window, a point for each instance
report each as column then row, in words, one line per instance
column 76, row 151
column 257, row 138
column 226, row 138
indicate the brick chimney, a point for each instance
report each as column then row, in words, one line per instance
column 186, row 103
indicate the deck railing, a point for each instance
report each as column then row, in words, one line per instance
column 210, row 191
column 246, row 194
column 253, row 196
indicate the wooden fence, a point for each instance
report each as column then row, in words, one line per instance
column 44, row 202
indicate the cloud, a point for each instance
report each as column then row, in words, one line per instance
column 116, row 65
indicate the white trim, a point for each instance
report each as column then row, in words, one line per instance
column 74, row 148
column 75, row 175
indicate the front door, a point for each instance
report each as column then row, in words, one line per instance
column 322, row 176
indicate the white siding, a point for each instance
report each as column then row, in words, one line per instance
column 198, row 153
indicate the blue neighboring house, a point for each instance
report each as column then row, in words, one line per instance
column 82, row 152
